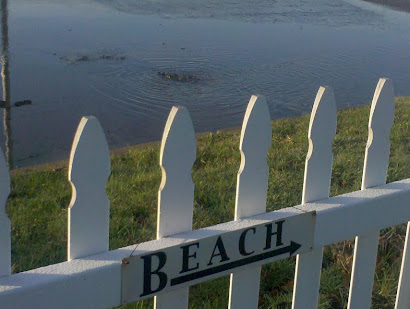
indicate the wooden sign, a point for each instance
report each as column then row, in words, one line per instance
column 204, row 254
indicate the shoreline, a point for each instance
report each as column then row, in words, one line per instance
column 63, row 163
column 402, row 5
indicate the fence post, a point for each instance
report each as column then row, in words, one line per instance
column 5, row 229
column 316, row 186
column 374, row 173
column 403, row 295
column 176, row 192
column 89, row 210
column 251, row 192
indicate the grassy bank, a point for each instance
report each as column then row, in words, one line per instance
column 40, row 196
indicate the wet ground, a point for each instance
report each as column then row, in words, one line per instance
column 128, row 62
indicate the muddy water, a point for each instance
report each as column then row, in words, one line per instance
column 103, row 58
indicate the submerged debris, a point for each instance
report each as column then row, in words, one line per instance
column 179, row 77
column 111, row 57
column 21, row 103
column 86, row 58
column 3, row 104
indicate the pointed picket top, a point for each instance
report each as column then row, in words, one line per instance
column 318, row 172
column 5, row 228
column 378, row 143
column 176, row 192
column 319, row 159
column 252, row 180
column 251, row 191
column 376, row 161
column 177, row 156
column 89, row 169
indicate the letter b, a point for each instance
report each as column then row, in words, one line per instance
column 148, row 273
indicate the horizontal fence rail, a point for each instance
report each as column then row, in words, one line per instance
column 165, row 268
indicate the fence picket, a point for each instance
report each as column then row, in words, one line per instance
column 403, row 295
column 176, row 192
column 374, row 173
column 316, row 186
column 5, row 229
column 251, row 192
column 89, row 169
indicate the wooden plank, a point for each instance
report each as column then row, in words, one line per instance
column 176, row 193
column 319, row 159
column 5, row 229
column 89, row 210
column 403, row 295
column 364, row 263
column 381, row 119
column 215, row 251
column 316, row 186
column 374, row 173
column 343, row 217
column 251, row 192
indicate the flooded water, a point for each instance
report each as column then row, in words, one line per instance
column 103, row 58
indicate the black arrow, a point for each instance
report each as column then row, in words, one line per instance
column 294, row 247
column 291, row 249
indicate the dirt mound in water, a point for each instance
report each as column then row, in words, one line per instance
column 179, row 77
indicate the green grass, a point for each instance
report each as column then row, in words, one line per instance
column 39, row 198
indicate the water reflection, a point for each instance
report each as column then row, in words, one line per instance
column 5, row 76
column 128, row 66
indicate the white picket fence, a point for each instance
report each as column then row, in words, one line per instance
column 94, row 277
